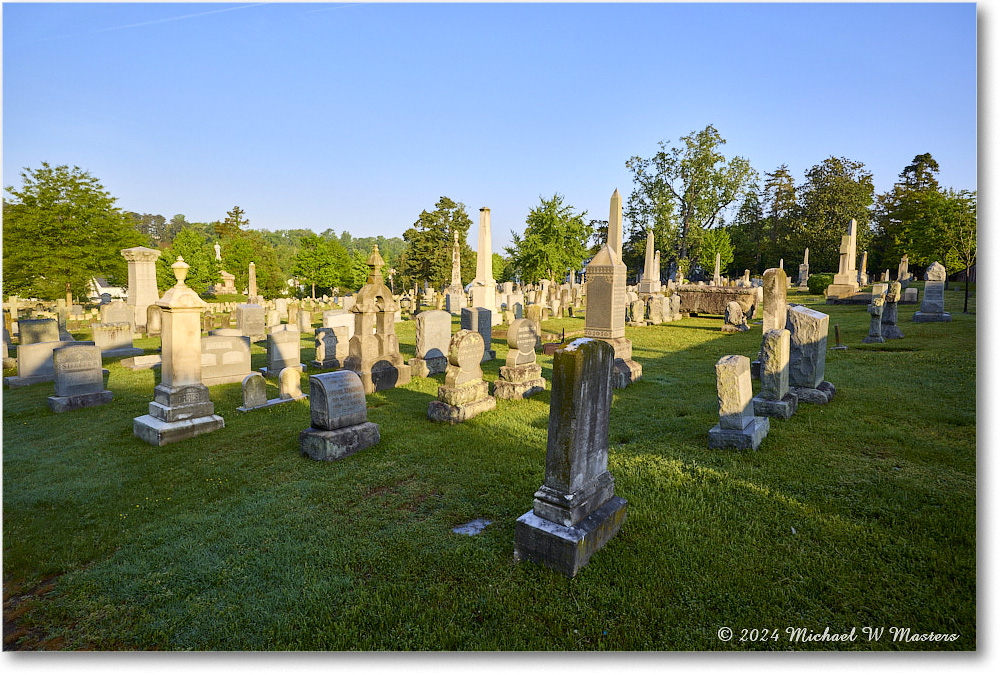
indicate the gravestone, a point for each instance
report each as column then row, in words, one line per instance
column 305, row 321
column 339, row 417
column 875, row 309
column 181, row 407
column 521, row 376
column 803, row 272
column 141, row 283
column 250, row 321
column 283, row 351
column 34, row 363
column 114, row 339
column 339, row 317
column 775, row 299
column 484, row 286
column 880, row 288
column 890, row 314
column 117, row 311
column 650, row 282
column 807, row 355
column 290, row 384
column 738, row 427
column 775, row 399
column 845, row 282
column 39, row 330
column 575, row 512
column 79, row 378
column 225, row 357
column 153, row 320
column 332, row 347
column 464, row 394
column 433, row 337
column 903, row 275
column 478, row 319
column 932, row 306
column 735, row 320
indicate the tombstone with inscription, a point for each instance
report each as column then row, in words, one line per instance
column 254, row 392
column 433, row 337
column 225, row 357
column 117, row 311
column 332, row 347
column 464, row 394
column 34, row 363
column 738, row 427
column 250, row 321
column 521, row 376
column 114, row 339
column 575, row 512
column 39, row 330
column 79, row 378
column 807, row 355
column 339, row 417
column 478, row 319
column 181, row 407
column 932, row 306
column 283, row 350
column 775, row 399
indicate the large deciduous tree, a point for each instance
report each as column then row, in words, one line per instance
column 682, row 190
column 60, row 228
column 428, row 255
column 239, row 250
column 322, row 262
column 197, row 250
column 554, row 241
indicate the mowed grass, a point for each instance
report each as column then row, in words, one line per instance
column 858, row 513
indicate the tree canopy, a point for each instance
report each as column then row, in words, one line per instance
column 428, row 256
column 322, row 262
column 60, row 228
column 554, row 241
column 198, row 253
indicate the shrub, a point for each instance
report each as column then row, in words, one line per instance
column 818, row 282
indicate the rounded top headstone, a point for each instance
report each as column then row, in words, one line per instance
column 466, row 349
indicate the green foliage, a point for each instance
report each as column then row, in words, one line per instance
column 835, row 191
column 428, row 255
column 322, row 262
column 359, row 270
column 390, row 249
column 747, row 234
column 818, row 283
column 554, row 242
column 712, row 242
column 502, row 270
column 197, row 251
column 234, row 223
column 242, row 248
column 60, row 229
column 151, row 227
column 683, row 189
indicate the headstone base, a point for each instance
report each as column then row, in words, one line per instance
column 325, row 446
column 747, row 438
column 274, row 372
column 16, row 381
column 821, row 395
column 567, row 549
column 142, row 362
column 892, row 332
column 122, row 351
column 428, row 367
column 458, row 404
column 729, row 328
column 927, row 317
column 159, row 432
column 272, row 402
column 625, row 371
column 518, row 382
column 327, row 364
column 384, row 375
column 873, row 339
column 61, row 404
column 783, row 409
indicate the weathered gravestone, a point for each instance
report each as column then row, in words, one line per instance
column 738, row 427
column 521, row 376
column 250, row 321
column 114, row 339
column 890, row 314
column 39, row 330
column 339, row 417
column 478, row 319
column 575, row 511
column 117, row 311
column 153, row 320
column 34, row 363
column 305, row 321
column 433, row 337
column 775, row 399
column 735, row 320
column 807, row 355
column 79, row 378
column 875, row 309
column 181, row 407
column 283, row 350
column 225, row 357
column 932, row 306
column 464, row 394
column 254, row 392
column 339, row 318
column 332, row 347
column 290, row 384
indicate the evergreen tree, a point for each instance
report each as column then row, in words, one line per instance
column 428, row 254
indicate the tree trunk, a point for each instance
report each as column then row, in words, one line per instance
column 965, row 310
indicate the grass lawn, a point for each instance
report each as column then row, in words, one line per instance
column 858, row 513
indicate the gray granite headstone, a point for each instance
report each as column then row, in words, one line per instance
column 339, row 416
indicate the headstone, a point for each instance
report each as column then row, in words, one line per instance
column 845, row 282
column 141, row 282
column 738, row 427
column 374, row 355
column 39, row 330
column 79, row 378
column 305, row 321
column 433, row 336
column 903, row 275
column 651, row 272
column 252, row 285
column 932, row 306
column 890, row 329
column 803, row 272
column 605, row 289
column 34, row 363
column 880, row 288
column 225, row 357
column 114, row 339
column 717, row 275
column 807, row 355
column 863, row 271
column 181, row 407
column 484, row 286
column 775, row 399
column 290, row 384
column 332, row 347
column 735, row 320
column 250, row 321
column 521, row 376
column 283, row 351
column 909, row 295
column 335, row 318
column 339, row 417
column 478, row 319
column 875, row 308
column 153, row 320
column 117, row 311
column 464, row 394
column 575, row 511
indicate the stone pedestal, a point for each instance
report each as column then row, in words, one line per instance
column 932, row 306
column 807, row 357
column 875, row 327
column 433, row 336
column 79, row 378
column 738, row 426
column 575, row 512
column 464, row 394
column 339, row 417
column 517, row 382
column 775, row 399
column 142, row 290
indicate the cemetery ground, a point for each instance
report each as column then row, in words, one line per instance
column 858, row 513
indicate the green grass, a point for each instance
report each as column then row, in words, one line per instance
column 858, row 513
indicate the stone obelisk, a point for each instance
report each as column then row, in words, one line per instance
column 455, row 298
column 845, row 282
column 484, row 287
column 651, row 271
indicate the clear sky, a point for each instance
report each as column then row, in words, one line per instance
column 359, row 116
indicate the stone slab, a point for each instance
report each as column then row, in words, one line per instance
column 159, row 432
column 782, row 409
column 567, row 549
column 929, row 317
column 439, row 411
column 145, row 362
column 325, row 445
column 748, row 438
column 61, row 404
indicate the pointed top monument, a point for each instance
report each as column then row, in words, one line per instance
column 615, row 225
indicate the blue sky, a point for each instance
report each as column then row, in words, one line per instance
column 359, row 116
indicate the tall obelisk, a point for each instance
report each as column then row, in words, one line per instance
column 484, row 287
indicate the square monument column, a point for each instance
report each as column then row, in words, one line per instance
column 141, row 282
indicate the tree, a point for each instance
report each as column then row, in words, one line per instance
column 322, row 262
column 962, row 234
column 554, row 242
column 197, row 251
column 687, row 186
column 234, row 223
column 148, row 225
column 781, row 209
column 239, row 250
column 747, row 234
column 908, row 217
column 835, row 191
column 359, row 269
column 716, row 241
column 428, row 255
column 60, row 229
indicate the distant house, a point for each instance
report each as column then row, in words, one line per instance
column 972, row 275
column 99, row 286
